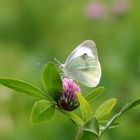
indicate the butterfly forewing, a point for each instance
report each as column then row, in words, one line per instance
column 86, row 47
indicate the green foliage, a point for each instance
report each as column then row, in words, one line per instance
column 126, row 108
column 86, row 135
column 130, row 106
column 76, row 119
column 24, row 87
column 105, row 109
column 52, row 81
column 103, row 123
column 91, row 126
column 42, row 111
column 93, row 94
column 85, row 107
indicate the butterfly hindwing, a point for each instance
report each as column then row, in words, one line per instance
column 87, row 72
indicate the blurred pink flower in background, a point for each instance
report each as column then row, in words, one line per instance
column 96, row 10
column 120, row 7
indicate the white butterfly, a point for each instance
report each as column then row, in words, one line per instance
column 83, row 64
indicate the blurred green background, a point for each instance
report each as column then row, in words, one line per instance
column 33, row 33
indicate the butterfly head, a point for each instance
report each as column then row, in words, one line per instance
column 62, row 67
column 64, row 73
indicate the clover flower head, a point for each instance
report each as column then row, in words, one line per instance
column 68, row 100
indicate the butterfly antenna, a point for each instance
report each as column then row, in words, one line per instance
column 57, row 61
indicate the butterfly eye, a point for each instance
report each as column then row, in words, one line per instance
column 62, row 66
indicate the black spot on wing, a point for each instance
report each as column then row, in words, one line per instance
column 84, row 56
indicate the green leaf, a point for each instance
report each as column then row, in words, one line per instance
column 96, row 92
column 105, row 109
column 109, row 123
column 86, row 135
column 85, row 107
column 113, row 125
column 24, row 87
column 92, row 125
column 42, row 111
column 127, row 107
column 130, row 106
column 76, row 119
column 52, row 81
